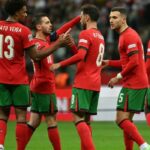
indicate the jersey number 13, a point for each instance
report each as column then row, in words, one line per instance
column 9, row 52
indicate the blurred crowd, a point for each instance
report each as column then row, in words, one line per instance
column 61, row 11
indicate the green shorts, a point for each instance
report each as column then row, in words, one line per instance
column 14, row 95
column 44, row 103
column 84, row 101
column 131, row 100
column 147, row 104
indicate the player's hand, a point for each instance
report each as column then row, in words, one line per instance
column 61, row 39
column 113, row 81
column 55, row 66
column 64, row 37
column 104, row 63
column 67, row 32
column 69, row 40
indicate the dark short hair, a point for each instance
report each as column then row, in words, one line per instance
column 12, row 6
column 122, row 10
column 91, row 10
column 37, row 20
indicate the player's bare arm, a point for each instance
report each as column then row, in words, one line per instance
column 38, row 55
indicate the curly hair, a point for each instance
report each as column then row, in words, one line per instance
column 12, row 6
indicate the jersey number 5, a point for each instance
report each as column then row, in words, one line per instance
column 9, row 41
column 100, row 55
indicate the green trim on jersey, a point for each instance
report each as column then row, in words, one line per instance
column 84, row 101
column 44, row 103
column 14, row 95
column 131, row 100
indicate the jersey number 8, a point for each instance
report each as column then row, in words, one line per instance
column 100, row 55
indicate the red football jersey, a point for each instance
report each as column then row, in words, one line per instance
column 43, row 80
column 148, row 48
column 130, row 41
column 88, row 75
column 148, row 61
column 14, row 39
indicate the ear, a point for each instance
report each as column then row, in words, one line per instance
column 124, row 20
column 17, row 13
column 38, row 26
column 87, row 17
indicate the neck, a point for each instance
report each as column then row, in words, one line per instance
column 12, row 19
column 91, row 25
column 124, row 27
column 40, row 35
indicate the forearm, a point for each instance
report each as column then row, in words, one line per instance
column 114, row 63
column 68, row 25
column 132, row 64
column 74, row 49
column 40, row 54
column 74, row 59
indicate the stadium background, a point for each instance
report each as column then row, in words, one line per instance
column 60, row 11
column 106, row 135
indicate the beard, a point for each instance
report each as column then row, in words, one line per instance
column 83, row 26
column 46, row 33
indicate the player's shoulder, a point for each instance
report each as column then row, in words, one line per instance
column 131, row 34
column 130, row 31
column 2, row 21
column 83, row 32
column 23, row 26
column 36, row 41
column 40, row 42
column 87, row 33
column 15, row 26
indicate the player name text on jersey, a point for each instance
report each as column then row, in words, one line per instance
column 11, row 29
column 97, row 35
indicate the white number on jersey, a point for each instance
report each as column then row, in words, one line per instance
column 100, row 55
column 9, row 53
column 143, row 52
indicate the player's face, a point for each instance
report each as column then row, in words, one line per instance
column 46, row 25
column 83, row 20
column 116, row 20
column 22, row 14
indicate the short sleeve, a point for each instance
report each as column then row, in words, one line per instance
column 131, row 43
column 84, row 40
column 27, row 38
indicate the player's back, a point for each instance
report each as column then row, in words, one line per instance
column 14, row 38
column 88, row 73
